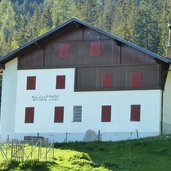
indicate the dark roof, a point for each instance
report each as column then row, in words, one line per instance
column 14, row 53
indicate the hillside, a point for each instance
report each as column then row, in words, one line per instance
column 150, row 154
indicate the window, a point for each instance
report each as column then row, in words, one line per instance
column 106, row 114
column 64, row 50
column 135, row 112
column 29, row 115
column 136, row 80
column 31, row 83
column 77, row 117
column 59, row 114
column 95, row 48
column 107, row 80
column 60, row 82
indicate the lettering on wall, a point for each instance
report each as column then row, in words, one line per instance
column 45, row 98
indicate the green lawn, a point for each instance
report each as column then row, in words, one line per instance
column 150, row 154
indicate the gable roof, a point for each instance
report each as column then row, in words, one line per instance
column 14, row 53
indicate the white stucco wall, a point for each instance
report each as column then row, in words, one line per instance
column 167, row 105
column 8, row 104
column 120, row 126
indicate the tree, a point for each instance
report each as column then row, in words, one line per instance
column 146, row 26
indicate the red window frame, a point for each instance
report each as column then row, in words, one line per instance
column 95, row 48
column 135, row 113
column 31, row 83
column 59, row 114
column 136, row 80
column 107, row 80
column 106, row 114
column 60, row 82
column 29, row 115
column 64, row 50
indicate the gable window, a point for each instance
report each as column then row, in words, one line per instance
column 29, row 115
column 31, row 83
column 136, row 80
column 135, row 112
column 64, row 50
column 77, row 114
column 95, row 48
column 107, row 80
column 60, row 82
column 59, row 114
column 106, row 114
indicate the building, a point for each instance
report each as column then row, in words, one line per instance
column 79, row 83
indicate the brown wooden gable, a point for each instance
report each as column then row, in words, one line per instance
column 101, row 61
column 73, row 47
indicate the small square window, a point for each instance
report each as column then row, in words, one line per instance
column 136, row 80
column 31, row 83
column 59, row 114
column 29, row 115
column 106, row 114
column 135, row 112
column 95, row 48
column 64, row 50
column 107, row 80
column 60, row 82
column 77, row 116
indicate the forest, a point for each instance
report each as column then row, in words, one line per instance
column 142, row 22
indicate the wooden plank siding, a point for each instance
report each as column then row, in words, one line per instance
column 116, row 58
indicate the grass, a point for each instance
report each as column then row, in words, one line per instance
column 150, row 154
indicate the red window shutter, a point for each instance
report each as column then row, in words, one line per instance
column 59, row 114
column 136, row 80
column 64, row 50
column 31, row 83
column 95, row 48
column 29, row 115
column 107, row 80
column 106, row 114
column 60, row 82
column 135, row 112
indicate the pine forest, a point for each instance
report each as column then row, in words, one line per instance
column 142, row 22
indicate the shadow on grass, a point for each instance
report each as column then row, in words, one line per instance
column 31, row 165
column 123, row 155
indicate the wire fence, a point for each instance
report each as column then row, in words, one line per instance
column 38, row 149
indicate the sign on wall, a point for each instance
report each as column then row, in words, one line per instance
column 45, row 98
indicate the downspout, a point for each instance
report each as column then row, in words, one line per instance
column 161, row 124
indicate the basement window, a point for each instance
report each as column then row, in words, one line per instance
column 29, row 115
column 106, row 114
column 60, row 82
column 59, row 114
column 64, row 50
column 31, row 83
column 135, row 113
column 77, row 113
column 95, row 48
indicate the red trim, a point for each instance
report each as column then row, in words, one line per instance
column 107, row 80
column 136, row 80
column 29, row 115
column 31, row 83
column 95, row 48
column 106, row 114
column 64, row 50
column 60, row 82
column 59, row 114
column 135, row 112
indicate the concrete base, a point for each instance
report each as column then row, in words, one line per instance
column 87, row 136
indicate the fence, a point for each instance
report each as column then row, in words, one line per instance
column 40, row 149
